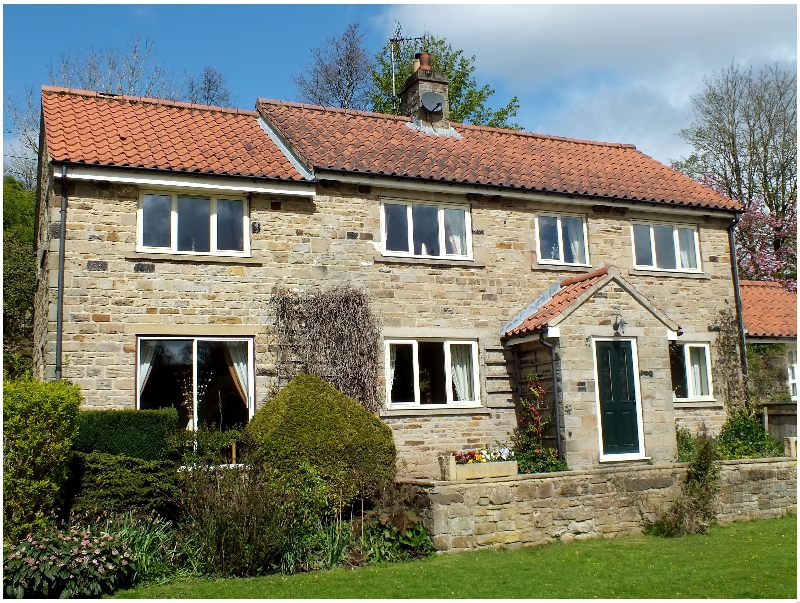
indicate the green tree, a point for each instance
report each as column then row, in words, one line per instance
column 19, row 275
column 468, row 102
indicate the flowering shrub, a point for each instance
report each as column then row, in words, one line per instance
column 70, row 563
column 529, row 450
column 487, row 454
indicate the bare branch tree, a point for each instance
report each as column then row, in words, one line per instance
column 744, row 136
column 208, row 89
column 341, row 75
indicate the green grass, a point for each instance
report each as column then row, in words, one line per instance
column 755, row 559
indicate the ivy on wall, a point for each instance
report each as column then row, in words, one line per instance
column 333, row 334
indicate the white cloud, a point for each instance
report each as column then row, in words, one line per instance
column 609, row 72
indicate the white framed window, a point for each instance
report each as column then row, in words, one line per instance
column 193, row 224
column 209, row 380
column 792, row 369
column 561, row 239
column 665, row 247
column 691, row 371
column 430, row 373
column 426, row 230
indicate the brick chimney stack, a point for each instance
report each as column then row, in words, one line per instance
column 425, row 79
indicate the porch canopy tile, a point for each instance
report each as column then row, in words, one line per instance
column 566, row 295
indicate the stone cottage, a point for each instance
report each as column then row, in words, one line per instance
column 489, row 256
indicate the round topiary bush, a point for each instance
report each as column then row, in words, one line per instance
column 309, row 420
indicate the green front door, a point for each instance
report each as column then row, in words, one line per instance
column 618, row 417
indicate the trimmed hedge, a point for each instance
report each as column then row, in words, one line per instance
column 100, row 482
column 141, row 434
column 38, row 426
column 309, row 420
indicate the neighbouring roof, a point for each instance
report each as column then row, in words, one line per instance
column 768, row 309
column 127, row 131
column 566, row 295
column 385, row 145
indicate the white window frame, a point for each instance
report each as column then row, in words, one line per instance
column 791, row 354
column 448, row 374
column 687, row 368
column 628, row 456
column 675, row 243
column 195, row 339
column 542, row 259
column 173, row 249
column 440, row 215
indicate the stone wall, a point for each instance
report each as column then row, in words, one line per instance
column 114, row 293
column 597, row 503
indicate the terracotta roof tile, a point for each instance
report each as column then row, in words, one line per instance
column 570, row 290
column 768, row 309
column 386, row 145
column 97, row 129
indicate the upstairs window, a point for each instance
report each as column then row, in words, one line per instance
column 193, row 224
column 426, row 230
column 689, row 366
column 432, row 373
column 793, row 374
column 665, row 247
column 561, row 240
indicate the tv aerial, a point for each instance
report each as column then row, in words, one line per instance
column 392, row 42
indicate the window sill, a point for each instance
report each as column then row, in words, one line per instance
column 391, row 259
column 193, row 259
column 417, row 411
column 561, row 267
column 668, row 273
column 685, row 403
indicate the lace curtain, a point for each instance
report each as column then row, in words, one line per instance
column 455, row 231
column 236, row 353
column 697, row 358
column 461, row 370
column 147, row 351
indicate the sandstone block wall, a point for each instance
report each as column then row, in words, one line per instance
column 596, row 503
column 113, row 294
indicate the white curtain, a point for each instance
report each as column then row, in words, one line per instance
column 697, row 358
column 392, row 358
column 686, row 244
column 573, row 233
column 147, row 350
column 461, row 370
column 455, row 231
column 238, row 357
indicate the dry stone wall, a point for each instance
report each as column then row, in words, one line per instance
column 597, row 503
column 112, row 293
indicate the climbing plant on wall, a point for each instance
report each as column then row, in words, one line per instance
column 333, row 334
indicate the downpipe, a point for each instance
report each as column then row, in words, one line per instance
column 62, row 236
column 738, row 298
column 552, row 349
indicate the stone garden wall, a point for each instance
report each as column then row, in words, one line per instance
column 598, row 503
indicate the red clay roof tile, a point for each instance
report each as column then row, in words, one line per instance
column 483, row 156
column 571, row 289
column 88, row 127
column 768, row 309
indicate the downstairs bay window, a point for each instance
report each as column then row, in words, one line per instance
column 432, row 373
column 193, row 224
column 208, row 380
column 690, row 370
column 426, row 230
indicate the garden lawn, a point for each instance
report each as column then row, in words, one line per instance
column 755, row 559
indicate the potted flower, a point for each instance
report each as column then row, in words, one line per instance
column 495, row 461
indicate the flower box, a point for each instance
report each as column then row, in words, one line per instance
column 454, row 472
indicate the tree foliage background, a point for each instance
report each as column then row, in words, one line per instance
column 132, row 69
column 744, row 135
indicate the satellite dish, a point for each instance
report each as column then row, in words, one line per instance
column 433, row 102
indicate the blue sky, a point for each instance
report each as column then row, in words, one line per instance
column 605, row 72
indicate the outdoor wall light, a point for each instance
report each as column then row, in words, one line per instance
column 620, row 326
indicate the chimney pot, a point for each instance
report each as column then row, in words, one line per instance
column 425, row 61
column 415, row 64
